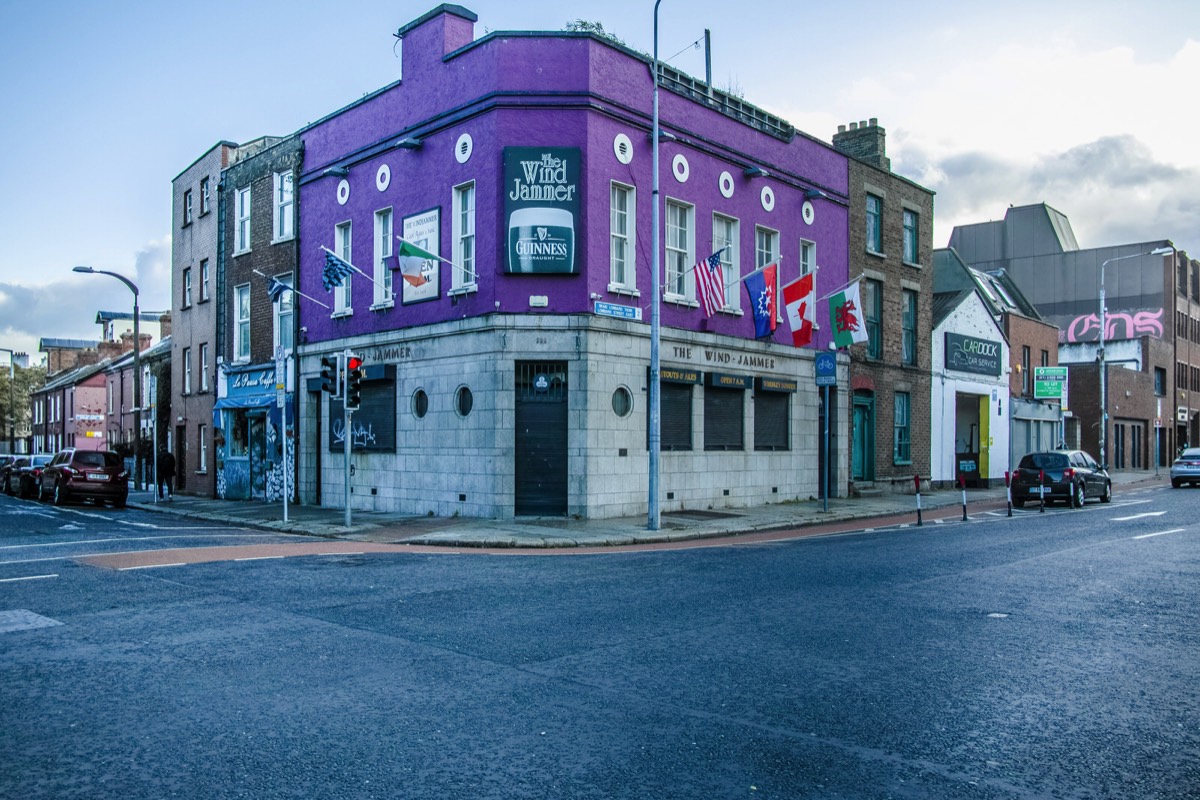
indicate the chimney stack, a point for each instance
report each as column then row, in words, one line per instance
column 864, row 140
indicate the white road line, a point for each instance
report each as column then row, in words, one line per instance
column 153, row 566
column 257, row 558
column 1138, row 516
column 27, row 578
column 114, row 539
column 1160, row 533
column 360, row 552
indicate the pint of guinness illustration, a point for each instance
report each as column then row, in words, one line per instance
column 541, row 240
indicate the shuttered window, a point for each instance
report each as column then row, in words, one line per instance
column 676, row 416
column 724, row 423
column 771, row 420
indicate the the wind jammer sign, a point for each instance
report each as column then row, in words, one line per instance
column 541, row 205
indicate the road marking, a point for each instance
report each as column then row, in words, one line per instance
column 153, row 566
column 27, row 578
column 246, row 535
column 1160, row 533
column 360, row 552
column 1138, row 516
column 263, row 558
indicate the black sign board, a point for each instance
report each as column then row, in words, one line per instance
column 968, row 354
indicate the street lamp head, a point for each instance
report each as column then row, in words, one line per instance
column 1162, row 251
column 83, row 269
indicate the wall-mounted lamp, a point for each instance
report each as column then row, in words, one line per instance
column 337, row 172
column 756, row 172
column 813, row 194
column 663, row 136
column 409, row 143
column 595, row 296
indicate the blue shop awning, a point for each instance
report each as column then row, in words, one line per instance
column 249, row 401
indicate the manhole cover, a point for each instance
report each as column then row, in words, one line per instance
column 22, row 620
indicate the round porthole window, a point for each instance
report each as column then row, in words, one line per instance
column 463, row 401
column 680, row 168
column 622, row 401
column 343, row 191
column 420, row 404
column 768, row 199
column 726, row 185
column 383, row 177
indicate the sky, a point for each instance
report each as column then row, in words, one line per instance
column 1089, row 107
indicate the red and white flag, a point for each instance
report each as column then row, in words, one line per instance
column 710, row 284
column 799, row 297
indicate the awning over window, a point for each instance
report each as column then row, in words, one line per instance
column 250, row 401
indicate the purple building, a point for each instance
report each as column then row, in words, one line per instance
column 509, row 377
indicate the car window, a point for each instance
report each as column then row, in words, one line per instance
column 90, row 459
column 1049, row 460
column 1191, row 452
column 1079, row 459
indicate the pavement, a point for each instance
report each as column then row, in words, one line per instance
column 542, row 532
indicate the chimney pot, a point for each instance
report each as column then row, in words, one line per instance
column 874, row 121
column 853, row 126
column 862, row 123
column 841, row 128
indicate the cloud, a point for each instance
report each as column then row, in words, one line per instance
column 67, row 308
column 1113, row 190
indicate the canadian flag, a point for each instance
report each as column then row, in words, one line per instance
column 798, row 299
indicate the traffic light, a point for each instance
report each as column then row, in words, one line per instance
column 354, row 376
column 329, row 375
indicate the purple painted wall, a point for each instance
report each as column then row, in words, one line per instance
column 554, row 90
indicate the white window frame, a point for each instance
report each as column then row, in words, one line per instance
column 680, row 246
column 187, row 370
column 242, row 214
column 241, row 323
column 187, row 208
column 204, row 367
column 343, row 247
column 202, row 458
column 205, row 200
column 808, row 256
column 187, row 287
column 726, row 233
column 462, row 212
column 283, row 319
column 111, row 394
column 622, row 231
column 385, row 296
column 765, row 255
column 204, row 270
column 284, row 194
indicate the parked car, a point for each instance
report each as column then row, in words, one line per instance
column 1070, row 476
column 1186, row 467
column 8, row 474
column 28, row 477
column 97, row 475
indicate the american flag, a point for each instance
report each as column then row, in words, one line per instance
column 710, row 284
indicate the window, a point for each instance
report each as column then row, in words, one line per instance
column 283, row 316
column 771, row 415
column 808, row 256
column 679, row 247
column 622, row 401
column 464, row 401
column 420, row 404
column 383, row 251
column 241, row 316
column 911, row 225
column 242, row 209
column 724, row 418
column 204, row 197
column 204, row 367
column 202, row 437
column 675, row 416
column 1160, row 382
column 111, row 388
column 187, row 370
column 874, row 224
column 342, row 241
column 1045, row 358
column 187, row 287
column 621, row 237
column 766, row 251
column 285, row 217
column 203, row 280
column 725, row 239
column 1026, row 370
column 872, row 300
column 187, row 208
column 901, row 450
column 464, row 236
column 908, row 323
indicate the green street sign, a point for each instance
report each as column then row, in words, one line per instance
column 1049, row 383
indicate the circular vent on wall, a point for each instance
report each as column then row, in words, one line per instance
column 623, row 148
column 343, row 191
column 383, row 177
column 463, row 148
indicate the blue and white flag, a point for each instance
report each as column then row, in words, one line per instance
column 336, row 271
column 760, row 286
column 275, row 289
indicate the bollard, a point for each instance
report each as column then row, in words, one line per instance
column 917, row 481
column 1008, row 490
column 1041, row 491
column 963, row 483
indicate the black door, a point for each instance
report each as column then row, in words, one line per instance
column 541, row 439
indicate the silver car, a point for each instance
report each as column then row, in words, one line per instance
column 1186, row 467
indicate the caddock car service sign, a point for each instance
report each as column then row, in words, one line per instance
column 541, row 208
column 968, row 354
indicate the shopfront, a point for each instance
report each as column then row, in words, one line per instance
column 251, row 434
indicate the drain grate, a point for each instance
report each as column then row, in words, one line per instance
column 22, row 620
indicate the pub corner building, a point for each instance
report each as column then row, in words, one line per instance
column 509, row 377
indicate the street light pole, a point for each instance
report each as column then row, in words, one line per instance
column 137, row 368
column 12, row 419
column 1160, row 251
column 655, row 437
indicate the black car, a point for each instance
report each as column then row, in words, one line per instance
column 28, row 478
column 1070, row 476
column 8, row 474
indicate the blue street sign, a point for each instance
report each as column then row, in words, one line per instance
column 826, row 369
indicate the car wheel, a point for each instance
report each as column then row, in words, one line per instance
column 1176, row 483
column 1107, row 496
column 60, row 494
column 1078, row 497
column 1018, row 503
column 120, row 503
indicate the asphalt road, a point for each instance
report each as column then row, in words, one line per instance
column 1047, row 655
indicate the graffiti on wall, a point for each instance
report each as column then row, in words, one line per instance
column 1117, row 324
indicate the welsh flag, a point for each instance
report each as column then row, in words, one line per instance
column 845, row 317
column 798, row 297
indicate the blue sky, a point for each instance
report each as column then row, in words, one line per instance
column 1088, row 106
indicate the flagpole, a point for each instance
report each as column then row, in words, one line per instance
column 295, row 291
column 841, row 288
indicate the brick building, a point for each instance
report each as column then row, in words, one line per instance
column 258, row 243
column 891, row 246
column 194, row 238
